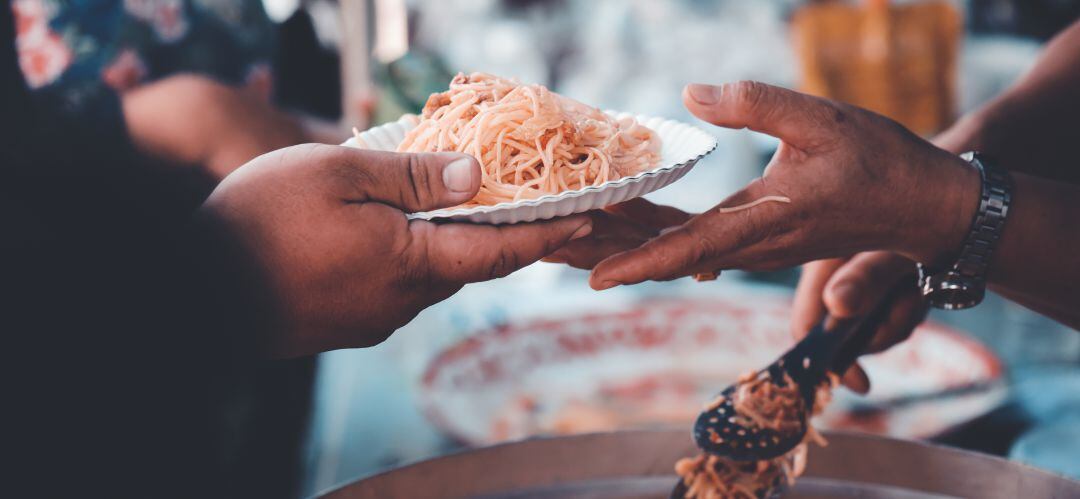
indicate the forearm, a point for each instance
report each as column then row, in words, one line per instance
column 1031, row 127
column 1036, row 261
column 211, row 125
column 1029, row 130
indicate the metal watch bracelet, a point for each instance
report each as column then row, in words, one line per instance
column 964, row 284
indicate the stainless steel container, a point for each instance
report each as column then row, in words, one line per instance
column 639, row 465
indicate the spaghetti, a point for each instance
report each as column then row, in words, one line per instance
column 530, row 141
column 759, row 403
column 751, row 204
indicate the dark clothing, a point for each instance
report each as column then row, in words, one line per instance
column 131, row 326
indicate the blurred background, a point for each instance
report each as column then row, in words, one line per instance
column 921, row 62
column 539, row 352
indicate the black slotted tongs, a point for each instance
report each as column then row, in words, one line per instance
column 832, row 345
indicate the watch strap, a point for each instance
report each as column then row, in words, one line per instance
column 963, row 285
column 979, row 245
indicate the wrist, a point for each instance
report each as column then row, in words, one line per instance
column 947, row 209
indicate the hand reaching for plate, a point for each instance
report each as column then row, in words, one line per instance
column 856, row 182
column 618, row 228
column 328, row 225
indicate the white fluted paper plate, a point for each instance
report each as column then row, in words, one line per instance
column 682, row 145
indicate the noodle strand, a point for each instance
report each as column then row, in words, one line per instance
column 751, row 204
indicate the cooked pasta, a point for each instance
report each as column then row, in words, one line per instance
column 761, row 403
column 751, row 204
column 530, row 141
column 758, row 403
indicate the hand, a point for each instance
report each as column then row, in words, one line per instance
column 328, row 225
column 851, row 287
column 618, row 228
column 192, row 120
column 857, row 182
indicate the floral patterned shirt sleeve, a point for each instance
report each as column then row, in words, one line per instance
column 74, row 45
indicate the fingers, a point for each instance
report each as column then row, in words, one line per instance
column 676, row 250
column 714, row 240
column 908, row 312
column 587, row 252
column 856, row 379
column 610, row 235
column 809, row 309
column 644, row 212
column 462, row 253
column 410, row 182
column 793, row 117
column 618, row 228
column 856, row 287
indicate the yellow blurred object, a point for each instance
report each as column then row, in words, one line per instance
column 897, row 60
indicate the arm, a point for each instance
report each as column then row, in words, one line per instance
column 1028, row 129
column 1036, row 263
column 1031, row 128
column 193, row 120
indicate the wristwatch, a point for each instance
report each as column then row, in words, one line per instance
column 964, row 284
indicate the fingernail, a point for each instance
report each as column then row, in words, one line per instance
column 581, row 232
column 458, row 176
column 705, row 95
column 607, row 285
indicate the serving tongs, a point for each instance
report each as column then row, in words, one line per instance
column 831, row 346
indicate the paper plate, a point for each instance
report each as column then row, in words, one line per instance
column 682, row 145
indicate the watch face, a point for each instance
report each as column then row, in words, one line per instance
column 952, row 292
column 954, row 299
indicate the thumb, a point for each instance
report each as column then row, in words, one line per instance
column 407, row 181
column 795, row 118
column 857, row 286
column 808, row 309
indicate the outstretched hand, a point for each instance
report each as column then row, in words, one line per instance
column 856, row 182
column 328, row 224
